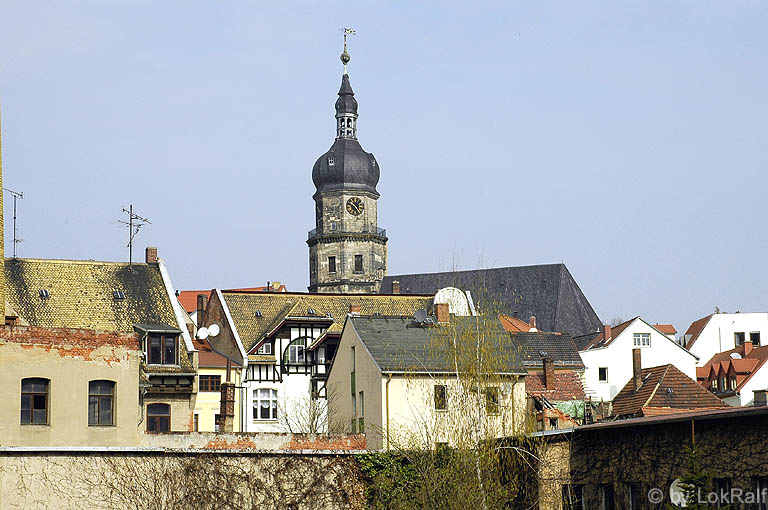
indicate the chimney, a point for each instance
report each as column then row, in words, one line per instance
column 636, row 367
column 441, row 313
column 202, row 302
column 549, row 373
column 2, row 240
column 607, row 332
column 227, row 408
column 760, row 398
column 276, row 286
column 354, row 309
column 395, row 287
column 746, row 348
column 150, row 255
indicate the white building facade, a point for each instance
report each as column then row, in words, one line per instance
column 608, row 356
column 721, row 332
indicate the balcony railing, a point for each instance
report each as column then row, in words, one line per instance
column 382, row 232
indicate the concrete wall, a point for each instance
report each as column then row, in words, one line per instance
column 69, row 359
column 178, row 479
column 617, row 357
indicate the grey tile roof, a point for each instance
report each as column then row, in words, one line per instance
column 399, row 344
column 547, row 291
column 560, row 348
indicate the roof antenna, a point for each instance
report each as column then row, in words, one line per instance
column 17, row 195
column 134, row 223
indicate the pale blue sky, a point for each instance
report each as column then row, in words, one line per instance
column 626, row 139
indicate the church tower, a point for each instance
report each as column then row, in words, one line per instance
column 347, row 249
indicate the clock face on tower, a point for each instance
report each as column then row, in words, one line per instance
column 355, row 206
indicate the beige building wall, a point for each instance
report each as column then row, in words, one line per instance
column 208, row 403
column 69, row 368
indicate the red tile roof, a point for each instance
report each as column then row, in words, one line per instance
column 695, row 330
column 601, row 341
column 663, row 387
column 513, row 324
column 744, row 367
column 663, row 411
column 568, row 386
column 667, row 329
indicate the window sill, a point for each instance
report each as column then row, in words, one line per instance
column 102, row 426
column 441, row 411
column 264, row 421
column 35, row 424
column 158, row 365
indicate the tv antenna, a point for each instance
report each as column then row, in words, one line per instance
column 134, row 224
column 17, row 195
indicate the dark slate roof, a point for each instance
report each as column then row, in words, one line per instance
column 560, row 348
column 546, row 291
column 398, row 344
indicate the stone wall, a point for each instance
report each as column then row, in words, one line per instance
column 177, row 479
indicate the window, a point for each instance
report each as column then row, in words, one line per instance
column 635, row 496
column 210, row 383
column 714, row 384
column 296, row 354
column 723, row 486
column 331, row 264
column 738, row 337
column 101, row 398
column 755, row 338
column 358, row 263
column 331, row 160
column 608, row 497
column 553, row 424
column 492, row 400
column 196, row 425
column 724, row 384
column 642, row 339
column 760, row 488
column 573, row 497
column 602, row 374
column 34, row 401
column 266, row 348
column 361, row 420
column 158, row 418
column 265, row 404
column 441, row 397
column 216, row 422
column 162, row 350
column 733, row 382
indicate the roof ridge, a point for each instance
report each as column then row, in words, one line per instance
column 76, row 261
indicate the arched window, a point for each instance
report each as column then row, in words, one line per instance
column 34, row 401
column 101, row 400
column 158, row 418
column 295, row 353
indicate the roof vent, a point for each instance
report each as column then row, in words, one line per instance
column 44, row 294
column 118, row 294
column 258, row 313
column 670, row 391
column 311, row 311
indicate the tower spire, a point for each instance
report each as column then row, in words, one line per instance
column 345, row 58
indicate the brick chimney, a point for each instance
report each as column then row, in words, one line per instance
column 202, row 302
column 760, row 398
column 395, row 287
column 354, row 309
column 746, row 348
column 2, row 239
column 607, row 332
column 441, row 313
column 227, row 408
column 549, row 373
column 636, row 368
column 150, row 255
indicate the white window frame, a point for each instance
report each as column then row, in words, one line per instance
column 640, row 339
column 296, row 354
column 266, row 348
column 270, row 398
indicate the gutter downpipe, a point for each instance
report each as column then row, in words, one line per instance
column 389, row 380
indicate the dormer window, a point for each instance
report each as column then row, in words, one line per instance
column 331, row 160
column 118, row 295
column 44, row 294
column 161, row 349
column 266, row 348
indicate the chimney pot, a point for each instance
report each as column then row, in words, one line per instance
column 202, row 302
column 549, row 373
column 636, row 368
column 395, row 287
column 442, row 313
column 532, row 321
column 150, row 255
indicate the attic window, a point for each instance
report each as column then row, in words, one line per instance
column 258, row 313
column 311, row 311
column 44, row 294
column 118, row 294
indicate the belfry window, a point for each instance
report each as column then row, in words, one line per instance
column 331, row 160
column 358, row 263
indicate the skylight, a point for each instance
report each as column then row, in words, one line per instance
column 44, row 294
column 118, row 294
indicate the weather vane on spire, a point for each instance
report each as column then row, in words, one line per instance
column 345, row 56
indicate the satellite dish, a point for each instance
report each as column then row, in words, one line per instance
column 420, row 315
column 214, row 329
column 203, row 333
column 735, row 355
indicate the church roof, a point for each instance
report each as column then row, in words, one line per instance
column 546, row 291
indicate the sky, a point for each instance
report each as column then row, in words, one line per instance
column 625, row 139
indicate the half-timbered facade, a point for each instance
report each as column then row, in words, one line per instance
column 286, row 343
